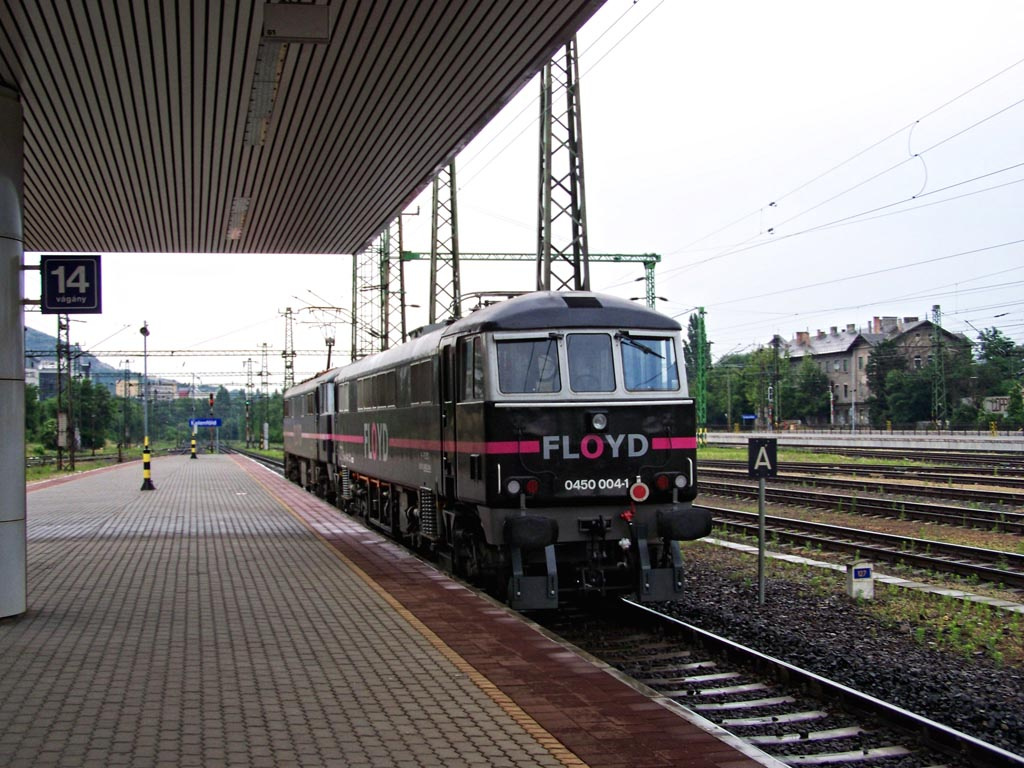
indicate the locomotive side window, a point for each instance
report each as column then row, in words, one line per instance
column 471, row 362
column 528, row 365
column 591, row 368
column 327, row 398
column 421, row 376
column 648, row 364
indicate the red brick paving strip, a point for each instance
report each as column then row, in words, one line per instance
column 601, row 719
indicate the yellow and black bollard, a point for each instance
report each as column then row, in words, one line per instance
column 147, row 482
column 193, row 444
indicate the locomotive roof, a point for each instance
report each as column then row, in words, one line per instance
column 545, row 310
column 541, row 311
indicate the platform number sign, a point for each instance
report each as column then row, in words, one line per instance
column 762, row 458
column 70, row 285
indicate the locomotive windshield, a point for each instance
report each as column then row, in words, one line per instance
column 590, row 362
column 529, row 365
column 648, row 363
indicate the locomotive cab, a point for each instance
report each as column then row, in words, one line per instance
column 580, row 436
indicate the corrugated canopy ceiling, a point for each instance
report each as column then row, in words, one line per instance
column 244, row 127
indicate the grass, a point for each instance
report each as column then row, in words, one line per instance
column 797, row 455
column 271, row 453
column 100, row 458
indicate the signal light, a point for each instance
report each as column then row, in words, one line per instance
column 527, row 485
column 662, row 482
column 639, row 492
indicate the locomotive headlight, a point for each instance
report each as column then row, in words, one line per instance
column 681, row 481
column 599, row 421
column 514, row 487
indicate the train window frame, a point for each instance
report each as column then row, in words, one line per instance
column 532, row 385
column 632, row 358
column 327, row 397
column 605, row 379
column 470, row 367
column 421, row 381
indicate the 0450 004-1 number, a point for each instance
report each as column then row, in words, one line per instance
column 602, row 484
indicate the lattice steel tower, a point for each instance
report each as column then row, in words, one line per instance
column 289, row 350
column 249, row 388
column 445, row 294
column 938, row 369
column 378, row 294
column 562, row 251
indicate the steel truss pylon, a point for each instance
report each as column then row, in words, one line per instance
column 939, row 398
column 289, row 350
column 562, row 250
column 249, row 389
column 378, row 293
column 65, row 394
column 445, row 294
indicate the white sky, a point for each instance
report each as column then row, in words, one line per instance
column 697, row 117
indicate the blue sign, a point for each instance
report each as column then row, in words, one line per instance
column 862, row 573
column 70, row 285
column 205, row 422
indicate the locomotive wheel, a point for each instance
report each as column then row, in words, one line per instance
column 473, row 560
column 467, row 552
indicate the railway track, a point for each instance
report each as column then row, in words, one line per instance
column 1006, row 477
column 796, row 716
column 791, row 474
column 968, row 517
column 993, row 566
column 1007, row 460
column 275, row 464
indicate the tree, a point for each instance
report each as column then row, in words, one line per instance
column 909, row 396
column 885, row 358
column 726, row 402
column 1015, row 410
column 809, row 398
column 33, row 413
column 94, row 413
column 1000, row 360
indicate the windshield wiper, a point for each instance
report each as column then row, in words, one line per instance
column 624, row 337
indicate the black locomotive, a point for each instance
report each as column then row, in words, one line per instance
column 543, row 444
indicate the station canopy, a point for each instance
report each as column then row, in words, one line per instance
column 238, row 126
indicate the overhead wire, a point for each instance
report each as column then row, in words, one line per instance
column 465, row 180
column 855, row 218
column 859, row 153
column 872, row 273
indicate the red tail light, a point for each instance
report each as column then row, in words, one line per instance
column 639, row 492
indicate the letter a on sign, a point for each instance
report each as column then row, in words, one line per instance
column 761, row 457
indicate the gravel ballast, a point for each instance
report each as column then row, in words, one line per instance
column 836, row 638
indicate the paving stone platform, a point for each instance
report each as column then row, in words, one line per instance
column 229, row 618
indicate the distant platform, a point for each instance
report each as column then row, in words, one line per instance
column 864, row 438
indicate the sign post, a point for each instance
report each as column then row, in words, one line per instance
column 762, row 462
